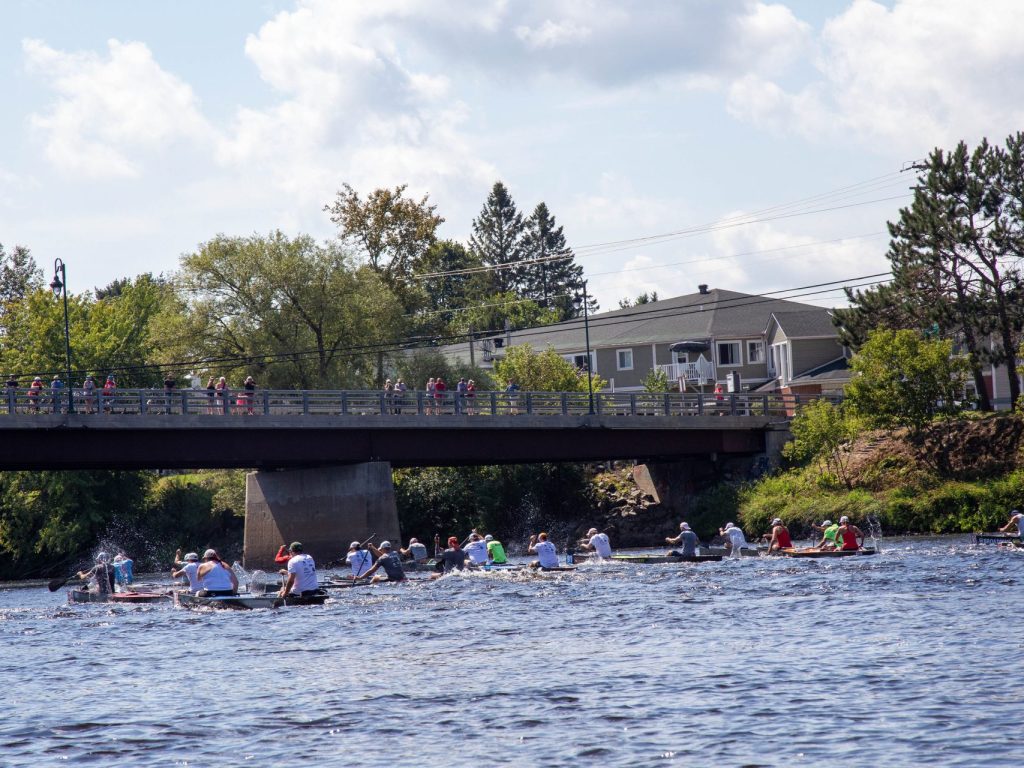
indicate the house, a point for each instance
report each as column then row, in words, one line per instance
column 713, row 337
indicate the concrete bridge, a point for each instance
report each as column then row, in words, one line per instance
column 324, row 459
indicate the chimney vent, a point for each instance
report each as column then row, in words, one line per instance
column 703, row 288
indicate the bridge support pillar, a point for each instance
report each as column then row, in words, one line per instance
column 325, row 508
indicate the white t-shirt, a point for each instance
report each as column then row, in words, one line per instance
column 737, row 538
column 546, row 554
column 1019, row 520
column 601, row 545
column 360, row 560
column 477, row 551
column 305, row 573
column 191, row 569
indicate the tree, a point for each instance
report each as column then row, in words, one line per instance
column 553, row 279
column 657, row 380
column 451, row 278
column 497, row 240
column 821, row 432
column 900, row 379
column 643, row 298
column 422, row 364
column 295, row 313
column 392, row 231
column 493, row 311
column 545, row 371
column 19, row 274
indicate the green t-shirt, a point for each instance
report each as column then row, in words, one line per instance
column 832, row 533
column 496, row 552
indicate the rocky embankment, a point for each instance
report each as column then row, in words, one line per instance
column 629, row 514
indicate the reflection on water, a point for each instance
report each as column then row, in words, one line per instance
column 905, row 658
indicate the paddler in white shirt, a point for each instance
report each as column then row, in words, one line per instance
column 301, row 578
column 544, row 550
column 476, row 549
column 598, row 542
column 1016, row 521
column 359, row 559
column 735, row 538
column 216, row 576
column 188, row 568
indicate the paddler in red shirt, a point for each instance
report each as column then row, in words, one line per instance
column 848, row 535
column 779, row 537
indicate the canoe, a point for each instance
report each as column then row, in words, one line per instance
column 655, row 559
column 1008, row 537
column 245, row 601
column 555, row 568
column 124, row 598
column 818, row 553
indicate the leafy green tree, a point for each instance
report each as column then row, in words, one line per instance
column 291, row 312
column 545, row 371
column 451, row 278
column 497, row 240
column 643, row 298
column 422, row 364
column 554, row 280
column 657, row 380
column 902, row 380
column 822, row 432
column 492, row 312
column 19, row 274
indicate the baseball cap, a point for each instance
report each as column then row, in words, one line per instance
column 592, row 531
column 729, row 526
column 353, row 545
column 826, row 523
column 102, row 557
column 777, row 521
column 191, row 557
column 209, row 553
column 385, row 545
column 488, row 537
column 413, row 540
column 295, row 546
column 684, row 526
column 844, row 519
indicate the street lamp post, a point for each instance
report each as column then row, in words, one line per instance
column 59, row 286
column 586, row 331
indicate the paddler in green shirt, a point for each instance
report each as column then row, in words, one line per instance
column 830, row 532
column 495, row 552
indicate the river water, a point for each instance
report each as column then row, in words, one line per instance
column 906, row 658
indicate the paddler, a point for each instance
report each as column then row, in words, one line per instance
column 101, row 574
column 283, row 555
column 189, row 568
column 477, row 549
column 416, row 551
column 779, row 537
column 735, row 540
column 359, row 559
column 1016, row 521
column 124, row 573
column 598, row 542
column 547, row 555
column 216, row 577
column 829, row 532
column 452, row 559
column 848, row 535
column 687, row 538
column 301, row 579
column 495, row 551
column 390, row 561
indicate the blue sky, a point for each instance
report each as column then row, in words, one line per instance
column 134, row 131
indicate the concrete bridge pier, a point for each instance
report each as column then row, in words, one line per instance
column 325, row 508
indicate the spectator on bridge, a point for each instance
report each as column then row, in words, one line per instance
column 168, row 392
column 56, row 390
column 211, row 392
column 89, row 394
column 250, row 394
column 34, row 391
column 12, row 393
column 359, row 559
column 400, row 389
column 109, row 393
column 223, row 395
column 470, row 397
column 389, row 397
column 512, row 395
column 440, row 388
column 460, row 398
column 431, row 384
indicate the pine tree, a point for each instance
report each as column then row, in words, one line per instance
column 497, row 240
column 19, row 274
column 553, row 279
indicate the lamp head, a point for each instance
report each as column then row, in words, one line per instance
column 56, row 285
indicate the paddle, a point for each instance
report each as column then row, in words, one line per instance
column 59, row 582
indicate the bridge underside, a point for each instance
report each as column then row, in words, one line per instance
column 173, row 442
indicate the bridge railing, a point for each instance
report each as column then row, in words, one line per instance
column 313, row 403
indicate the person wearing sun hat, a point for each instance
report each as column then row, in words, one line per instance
column 301, row 579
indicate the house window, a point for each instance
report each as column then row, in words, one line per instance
column 755, row 352
column 624, row 359
column 580, row 361
column 729, row 353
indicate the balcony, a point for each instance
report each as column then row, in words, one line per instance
column 701, row 372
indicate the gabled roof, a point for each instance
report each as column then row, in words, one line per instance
column 836, row 370
column 805, row 323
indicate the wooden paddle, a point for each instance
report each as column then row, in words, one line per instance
column 59, row 582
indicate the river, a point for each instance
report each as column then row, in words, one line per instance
column 906, row 658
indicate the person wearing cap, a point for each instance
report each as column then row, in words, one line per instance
column 216, row 577
column 56, row 390
column 452, row 559
column 89, row 394
column 301, row 573
column 477, row 549
column 1016, row 521
column 779, row 537
column 598, row 542
column 829, row 532
column 416, row 551
column 101, row 575
column 124, row 569
column 735, row 540
column 34, row 391
column 687, row 539
column 360, row 560
column 547, row 555
column 495, row 551
column 390, row 561
column 189, row 568
column 848, row 534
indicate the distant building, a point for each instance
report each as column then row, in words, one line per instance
column 698, row 340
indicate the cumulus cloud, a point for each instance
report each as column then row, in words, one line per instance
column 109, row 108
column 921, row 73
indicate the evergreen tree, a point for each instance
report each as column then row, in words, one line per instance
column 497, row 240
column 19, row 274
column 553, row 278
column 451, row 278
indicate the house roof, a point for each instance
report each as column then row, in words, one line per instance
column 717, row 314
column 805, row 323
column 837, row 370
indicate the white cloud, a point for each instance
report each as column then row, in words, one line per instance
column 922, row 73
column 109, row 108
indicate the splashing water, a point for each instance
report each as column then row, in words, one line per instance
column 875, row 530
